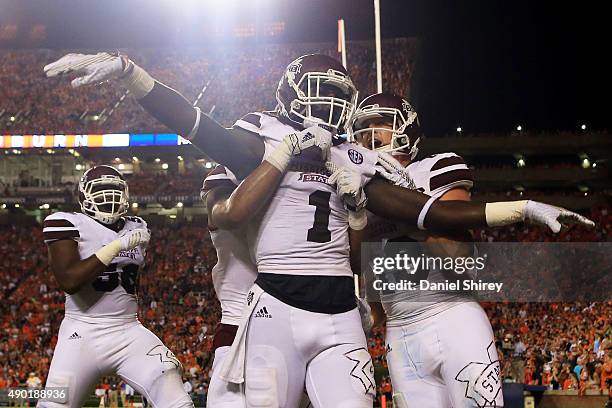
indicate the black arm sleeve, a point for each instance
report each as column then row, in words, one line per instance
column 402, row 205
column 238, row 150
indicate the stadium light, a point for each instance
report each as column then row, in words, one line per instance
column 121, row 166
column 135, row 159
column 459, row 129
column 50, row 151
column 586, row 163
column 16, row 205
column 208, row 165
column 96, row 117
column 45, row 206
column 179, row 205
column 583, row 127
column 180, row 158
column 165, row 166
column 519, row 128
column 78, row 167
column 3, row 205
column 117, row 159
column 520, row 162
column 12, row 118
column 157, row 160
column 134, row 205
column 594, row 165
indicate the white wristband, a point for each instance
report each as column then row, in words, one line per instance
column 505, row 212
column 108, row 252
column 138, row 82
column 280, row 157
column 357, row 220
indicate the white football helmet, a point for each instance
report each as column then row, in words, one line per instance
column 392, row 110
column 103, row 194
column 316, row 88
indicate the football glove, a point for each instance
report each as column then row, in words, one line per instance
column 295, row 143
column 127, row 240
column 93, row 69
column 510, row 212
column 388, row 167
column 349, row 187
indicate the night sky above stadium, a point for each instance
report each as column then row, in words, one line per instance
column 484, row 65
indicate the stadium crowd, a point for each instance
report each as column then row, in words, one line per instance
column 252, row 73
column 560, row 345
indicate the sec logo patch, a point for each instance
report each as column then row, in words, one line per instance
column 355, row 156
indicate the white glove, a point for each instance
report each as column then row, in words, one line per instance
column 126, row 241
column 349, row 187
column 553, row 217
column 367, row 321
column 96, row 68
column 295, row 143
column 131, row 239
column 92, row 69
column 388, row 167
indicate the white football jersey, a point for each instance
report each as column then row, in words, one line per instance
column 434, row 176
column 234, row 273
column 304, row 230
column 113, row 293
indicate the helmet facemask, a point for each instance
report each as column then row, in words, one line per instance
column 326, row 97
column 105, row 198
column 403, row 128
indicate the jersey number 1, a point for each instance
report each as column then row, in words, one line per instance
column 320, row 228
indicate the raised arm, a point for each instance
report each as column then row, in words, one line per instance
column 237, row 149
column 240, row 151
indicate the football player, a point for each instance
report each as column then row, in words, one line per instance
column 96, row 255
column 233, row 275
column 301, row 315
column 437, row 342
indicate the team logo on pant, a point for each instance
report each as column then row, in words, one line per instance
column 165, row 356
column 363, row 370
column 482, row 379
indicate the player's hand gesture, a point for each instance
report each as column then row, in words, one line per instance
column 314, row 137
column 89, row 68
column 553, row 217
column 134, row 238
column 349, row 186
column 391, row 169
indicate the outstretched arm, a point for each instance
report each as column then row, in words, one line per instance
column 238, row 150
column 410, row 206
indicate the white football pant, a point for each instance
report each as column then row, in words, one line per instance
column 288, row 348
column 447, row 360
column 85, row 352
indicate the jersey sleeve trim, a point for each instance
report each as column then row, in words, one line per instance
column 250, row 122
column 55, row 234
column 450, row 179
column 219, row 177
column 447, row 162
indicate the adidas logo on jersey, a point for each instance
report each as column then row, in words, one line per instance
column 74, row 336
column 263, row 312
